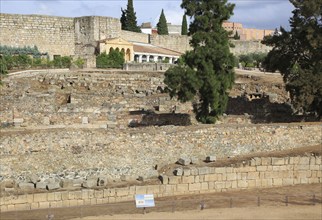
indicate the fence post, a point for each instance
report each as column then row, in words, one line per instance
column 286, row 200
column 313, row 199
column 231, row 202
column 202, row 205
column 258, row 201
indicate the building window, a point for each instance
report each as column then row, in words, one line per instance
column 144, row 59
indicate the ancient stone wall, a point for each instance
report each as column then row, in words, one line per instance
column 64, row 151
column 172, row 42
column 147, row 66
column 54, row 35
column 133, row 36
column 257, row 173
column 247, row 47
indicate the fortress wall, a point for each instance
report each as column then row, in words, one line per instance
column 54, row 35
column 258, row 173
column 172, row 42
column 246, row 47
column 133, row 36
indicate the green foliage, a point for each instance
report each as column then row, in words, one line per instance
column 62, row 62
column 207, row 71
column 3, row 68
column 236, row 36
column 79, row 62
column 27, row 50
column 128, row 18
column 162, row 25
column 297, row 55
column 184, row 27
column 114, row 59
column 252, row 59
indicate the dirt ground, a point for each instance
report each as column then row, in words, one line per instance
column 295, row 212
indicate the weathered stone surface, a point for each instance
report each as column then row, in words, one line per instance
column 178, row 172
column 41, row 185
column 53, row 185
column 184, row 161
column 26, row 186
column 90, row 183
column 195, row 160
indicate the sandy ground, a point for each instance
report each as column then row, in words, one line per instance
column 294, row 212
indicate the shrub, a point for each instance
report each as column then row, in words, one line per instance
column 114, row 59
column 79, row 62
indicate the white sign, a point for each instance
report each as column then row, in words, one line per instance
column 144, row 201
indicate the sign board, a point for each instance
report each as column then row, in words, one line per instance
column 144, row 201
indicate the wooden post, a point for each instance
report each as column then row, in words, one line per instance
column 258, row 201
column 286, row 200
column 231, row 202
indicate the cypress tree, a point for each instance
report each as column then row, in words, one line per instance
column 162, row 25
column 184, row 27
column 207, row 72
column 128, row 18
column 297, row 55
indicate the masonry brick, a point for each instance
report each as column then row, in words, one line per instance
column 40, row 197
column 194, row 186
column 277, row 161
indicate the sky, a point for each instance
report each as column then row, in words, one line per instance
column 261, row 14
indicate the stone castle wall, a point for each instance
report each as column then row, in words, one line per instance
column 54, row 35
column 133, row 36
column 257, row 173
column 78, row 36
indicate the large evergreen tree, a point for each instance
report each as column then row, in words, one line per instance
column 184, row 26
column 128, row 18
column 162, row 25
column 297, row 55
column 207, row 71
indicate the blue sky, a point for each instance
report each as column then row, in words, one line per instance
column 262, row 14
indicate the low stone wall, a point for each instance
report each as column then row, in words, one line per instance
column 147, row 66
column 257, row 173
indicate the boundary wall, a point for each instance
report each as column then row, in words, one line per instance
column 256, row 173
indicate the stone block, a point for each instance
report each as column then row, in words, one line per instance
column 110, row 192
column 174, row 180
column 99, row 194
column 26, row 186
column 256, row 161
column 220, row 170
column 220, row 185
column 51, row 197
column 90, row 183
column 85, row 120
column 194, row 171
column 43, row 205
column 253, row 175
column 204, row 186
column 122, row 191
column 231, row 176
column 301, row 167
column 46, row 121
column 278, row 161
column 312, row 160
column 277, row 182
column 182, row 187
column 194, row 186
column 314, row 167
column 17, row 122
column 288, row 181
column 266, row 161
column 53, row 185
column 41, row 185
column 178, row 172
column 210, row 159
column 153, row 189
column 141, row 190
column 184, row 161
column 251, row 183
column 186, row 171
column 22, row 207
column 304, row 161
column 242, row 183
column 261, row 168
column 194, row 160
column 188, row 179
column 313, row 180
column 318, row 160
column 102, row 181
column 164, row 179
column 203, row 170
column 33, row 178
